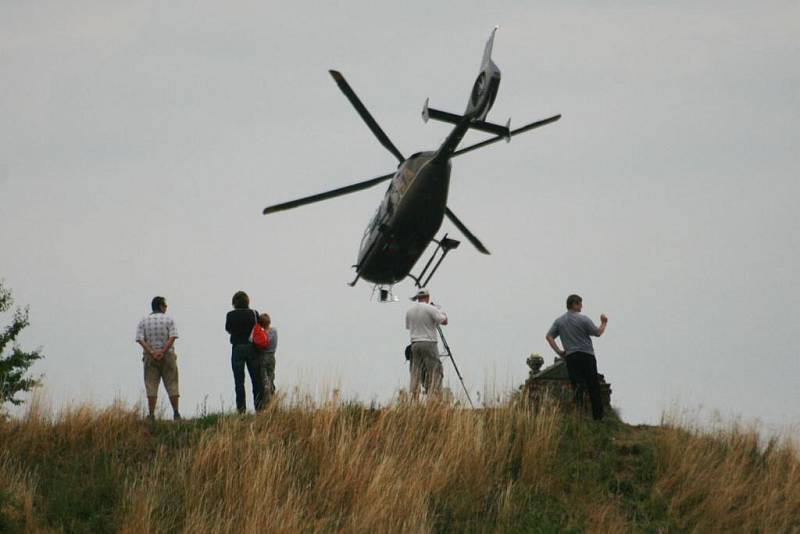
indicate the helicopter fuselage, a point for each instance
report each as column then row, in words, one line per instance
column 415, row 203
column 407, row 220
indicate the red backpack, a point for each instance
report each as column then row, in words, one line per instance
column 258, row 336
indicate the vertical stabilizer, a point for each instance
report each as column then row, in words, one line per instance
column 484, row 90
column 487, row 51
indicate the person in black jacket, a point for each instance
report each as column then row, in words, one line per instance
column 239, row 323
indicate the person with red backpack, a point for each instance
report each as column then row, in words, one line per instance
column 245, row 333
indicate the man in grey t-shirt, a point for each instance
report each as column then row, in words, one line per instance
column 575, row 331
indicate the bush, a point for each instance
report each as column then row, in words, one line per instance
column 15, row 364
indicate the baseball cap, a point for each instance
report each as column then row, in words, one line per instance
column 421, row 293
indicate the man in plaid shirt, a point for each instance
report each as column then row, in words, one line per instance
column 156, row 334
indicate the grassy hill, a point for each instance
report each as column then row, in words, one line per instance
column 407, row 467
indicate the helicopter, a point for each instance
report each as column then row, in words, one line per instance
column 415, row 203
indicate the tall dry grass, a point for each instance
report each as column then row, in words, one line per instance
column 407, row 467
column 18, row 490
column 727, row 480
column 339, row 467
column 55, row 467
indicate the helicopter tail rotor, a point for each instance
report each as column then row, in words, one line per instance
column 484, row 90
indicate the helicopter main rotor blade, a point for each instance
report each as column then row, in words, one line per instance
column 464, row 230
column 328, row 194
column 491, row 140
column 371, row 122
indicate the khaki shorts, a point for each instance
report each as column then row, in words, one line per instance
column 165, row 369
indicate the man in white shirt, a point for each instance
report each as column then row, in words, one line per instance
column 156, row 333
column 422, row 320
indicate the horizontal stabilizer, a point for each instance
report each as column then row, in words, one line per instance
column 453, row 118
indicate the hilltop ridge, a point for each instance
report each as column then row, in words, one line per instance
column 341, row 466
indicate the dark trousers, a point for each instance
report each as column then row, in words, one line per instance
column 582, row 368
column 268, row 367
column 246, row 356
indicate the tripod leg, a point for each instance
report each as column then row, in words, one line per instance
column 450, row 354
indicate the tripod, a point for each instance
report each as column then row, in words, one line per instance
column 450, row 354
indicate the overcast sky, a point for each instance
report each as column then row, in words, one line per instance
column 139, row 142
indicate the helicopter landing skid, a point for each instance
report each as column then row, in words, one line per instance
column 443, row 246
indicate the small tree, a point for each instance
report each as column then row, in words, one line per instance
column 14, row 366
